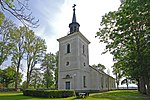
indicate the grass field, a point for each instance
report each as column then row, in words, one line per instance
column 112, row 95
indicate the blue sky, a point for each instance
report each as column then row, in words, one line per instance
column 55, row 16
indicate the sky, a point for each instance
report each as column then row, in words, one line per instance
column 54, row 18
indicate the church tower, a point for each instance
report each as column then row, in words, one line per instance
column 74, row 26
column 73, row 69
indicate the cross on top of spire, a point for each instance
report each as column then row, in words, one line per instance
column 74, row 5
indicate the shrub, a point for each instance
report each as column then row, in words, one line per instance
column 8, row 89
column 49, row 93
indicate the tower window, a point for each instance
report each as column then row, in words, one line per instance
column 68, row 48
column 83, row 49
column 84, row 81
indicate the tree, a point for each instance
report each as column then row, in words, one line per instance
column 24, row 85
column 1, row 18
column 126, row 34
column 118, row 72
column 35, row 51
column 6, row 45
column 1, row 78
column 48, row 64
column 36, row 78
column 125, row 81
column 18, row 38
column 8, row 76
column 56, row 70
column 20, row 10
column 99, row 67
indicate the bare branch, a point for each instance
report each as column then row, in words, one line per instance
column 20, row 13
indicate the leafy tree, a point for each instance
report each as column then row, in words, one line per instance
column 125, row 81
column 48, row 64
column 8, row 76
column 18, row 38
column 126, row 34
column 118, row 72
column 1, row 78
column 36, row 78
column 24, row 85
column 56, row 70
column 35, row 51
column 48, row 79
column 6, row 45
column 99, row 67
column 20, row 10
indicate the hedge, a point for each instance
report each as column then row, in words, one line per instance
column 49, row 93
column 9, row 89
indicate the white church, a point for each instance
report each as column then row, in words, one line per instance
column 74, row 71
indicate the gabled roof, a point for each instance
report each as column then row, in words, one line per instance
column 101, row 72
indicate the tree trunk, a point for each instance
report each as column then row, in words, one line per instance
column 47, row 84
column 17, row 73
column 16, row 81
column 28, row 71
column 6, row 85
column 28, row 80
column 142, row 85
column 27, row 84
column 148, row 86
column 138, row 85
column 117, row 81
column 127, row 85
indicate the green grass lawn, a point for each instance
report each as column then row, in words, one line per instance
column 112, row 95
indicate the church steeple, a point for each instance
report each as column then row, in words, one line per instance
column 74, row 26
column 74, row 14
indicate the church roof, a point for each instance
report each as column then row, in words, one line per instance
column 101, row 72
column 72, row 35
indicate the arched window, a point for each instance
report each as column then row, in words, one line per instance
column 68, row 48
column 68, row 76
column 84, row 81
column 83, row 49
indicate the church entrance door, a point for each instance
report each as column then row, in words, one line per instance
column 68, row 85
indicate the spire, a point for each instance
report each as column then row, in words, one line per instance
column 74, row 26
column 74, row 14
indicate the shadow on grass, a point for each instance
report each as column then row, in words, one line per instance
column 20, row 96
column 14, row 97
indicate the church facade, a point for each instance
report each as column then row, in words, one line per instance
column 74, row 72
